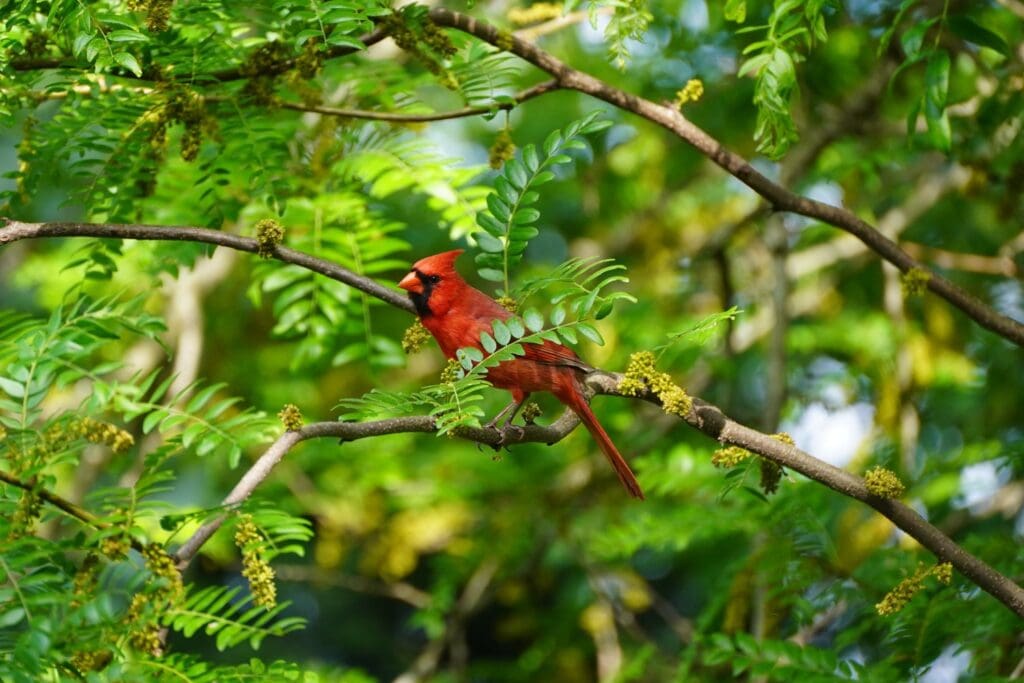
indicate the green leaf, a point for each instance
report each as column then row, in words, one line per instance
column 13, row 389
column 498, row 207
column 973, row 32
column 591, row 333
column 937, row 79
column 552, row 142
column 491, row 274
column 912, row 40
column 515, row 326
column 516, row 173
column 533, row 319
column 128, row 61
column 558, row 315
column 489, row 243
column 501, row 332
column 530, row 158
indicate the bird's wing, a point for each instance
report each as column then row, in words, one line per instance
column 550, row 353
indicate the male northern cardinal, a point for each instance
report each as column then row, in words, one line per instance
column 456, row 314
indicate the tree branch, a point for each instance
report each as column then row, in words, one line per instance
column 12, row 231
column 398, row 117
column 64, row 505
column 232, row 74
column 704, row 416
column 780, row 198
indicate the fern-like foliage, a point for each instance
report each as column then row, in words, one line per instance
column 390, row 162
column 337, row 23
column 776, row 660
column 227, row 615
column 507, row 224
column 330, row 320
column 629, row 21
column 484, row 74
column 793, row 28
column 37, row 356
column 191, row 669
column 202, row 425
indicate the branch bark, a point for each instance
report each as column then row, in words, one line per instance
column 13, row 230
column 779, row 197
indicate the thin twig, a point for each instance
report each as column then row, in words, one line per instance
column 398, row 117
column 223, row 76
column 63, row 504
column 404, row 592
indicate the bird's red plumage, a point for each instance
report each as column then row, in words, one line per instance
column 456, row 314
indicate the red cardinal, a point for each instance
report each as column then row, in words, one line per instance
column 456, row 314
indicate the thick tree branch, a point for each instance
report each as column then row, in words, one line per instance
column 704, row 417
column 780, row 198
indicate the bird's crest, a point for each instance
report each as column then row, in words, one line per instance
column 438, row 264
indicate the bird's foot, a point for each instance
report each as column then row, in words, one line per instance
column 507, row 434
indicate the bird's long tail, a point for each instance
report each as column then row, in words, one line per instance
column 579, row 406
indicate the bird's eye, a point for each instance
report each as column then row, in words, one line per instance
column 434, row 279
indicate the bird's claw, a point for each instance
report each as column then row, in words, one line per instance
column 504, row 434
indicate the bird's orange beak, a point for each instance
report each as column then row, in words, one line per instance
column 411, row 283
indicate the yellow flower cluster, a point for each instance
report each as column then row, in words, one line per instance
column 85, row 580
column 267, row 58
column 641, row 374
column 883, row 483
column 451, row 372
column 145, row 633
column 508, row 303
column 158, row 13
column 771, row 474
column 269, row 234
column 415, row 337
column 898, row 597
column 531, row 411
column 502, row 150
column 99, row 432
column 729, row 456
column 188, row 108
column 310, row 60
column 115, row 547
column 535, row 13
column 943, row 572
column 784, row 438
column 95, row 660
column 291, row 417
column 691, row 92
column 433, row 36
column 255, row 569
column 25, row 515
column 162, row 565
column 915, row 281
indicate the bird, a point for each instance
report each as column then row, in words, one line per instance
column 456, row 314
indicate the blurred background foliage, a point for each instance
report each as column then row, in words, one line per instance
column 410, row 557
